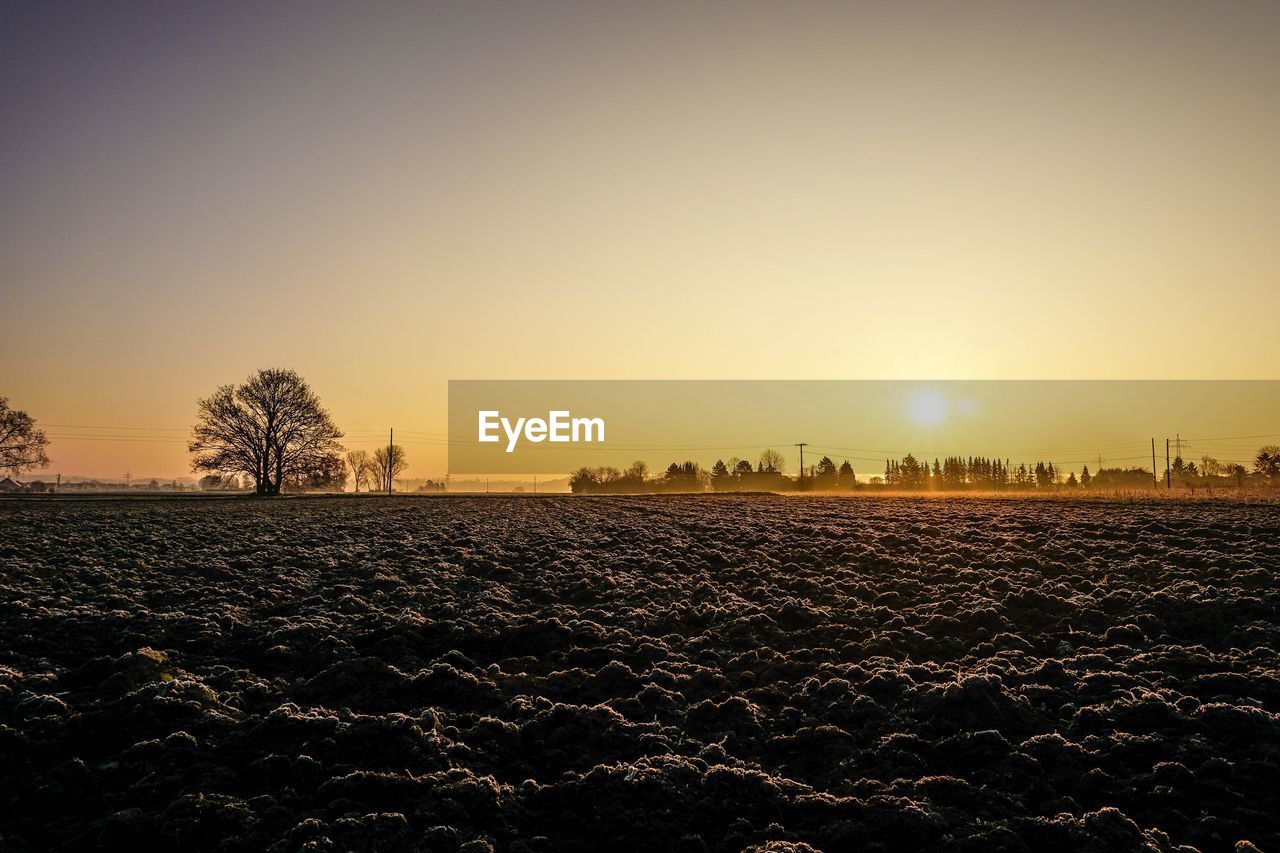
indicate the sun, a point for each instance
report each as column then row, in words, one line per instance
column 927, row 408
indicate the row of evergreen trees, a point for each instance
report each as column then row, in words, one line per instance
column 768, row 475
column 974, row 472
column 686, row 476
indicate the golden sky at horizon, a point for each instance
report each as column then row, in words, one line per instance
column 386, row 201
column 1099, row 423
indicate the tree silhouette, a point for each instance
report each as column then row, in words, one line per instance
column 269, row 428
column 387, row 464
column 771, row 462
column 721, row 478
column 330, row 475
column 631, row 480
column 22, row 446
column 913, row 472
column 582, row 481
column 845, row 478
column 1267, row 462
column 361, row 467
column 687, row 476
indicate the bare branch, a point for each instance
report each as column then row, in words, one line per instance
column 22, row 446
column 271, row 428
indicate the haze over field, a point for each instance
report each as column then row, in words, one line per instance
column 384, row 202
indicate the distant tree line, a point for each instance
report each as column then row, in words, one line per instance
column 736, row 475
column 974, row 472
column 954, row 473
column 981, row 473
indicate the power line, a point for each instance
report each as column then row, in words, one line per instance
column 125, row 438
column 146, row 429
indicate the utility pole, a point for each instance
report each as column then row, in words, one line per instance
column 1168, row 472
column 535, row 484
column 391, row 446
column 1154, row 482
column 802, row 445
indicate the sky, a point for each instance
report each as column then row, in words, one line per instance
column 388, row 197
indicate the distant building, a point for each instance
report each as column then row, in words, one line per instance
column 8, row 486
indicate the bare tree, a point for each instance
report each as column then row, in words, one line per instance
column 771, row 462
column 21, row 444
column 361, row 467
column 384, row 474
column 271, row 428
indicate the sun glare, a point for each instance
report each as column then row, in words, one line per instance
column 927, row 408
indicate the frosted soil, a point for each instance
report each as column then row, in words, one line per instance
column 650, row 673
